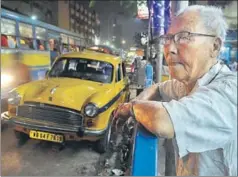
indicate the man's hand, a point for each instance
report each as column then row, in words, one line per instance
column 151, row 114
column 124, row 111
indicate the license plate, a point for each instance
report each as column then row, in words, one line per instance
column 46, row 136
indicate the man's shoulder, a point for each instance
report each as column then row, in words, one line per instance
column 227, row 76
column 225, row 84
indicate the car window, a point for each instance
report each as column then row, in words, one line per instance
column 119, row 74
column 58, row 67
column 85, row 69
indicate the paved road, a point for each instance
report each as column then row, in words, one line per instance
column 46, row 159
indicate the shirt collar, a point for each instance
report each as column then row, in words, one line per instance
column 209, row 76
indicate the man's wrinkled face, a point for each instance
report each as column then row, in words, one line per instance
column 187, row 60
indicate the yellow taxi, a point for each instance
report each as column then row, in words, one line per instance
column 75, row 101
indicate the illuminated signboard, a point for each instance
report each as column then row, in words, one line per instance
column 142, row 9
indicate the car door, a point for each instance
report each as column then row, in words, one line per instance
column 126, row 89
column 119, row 83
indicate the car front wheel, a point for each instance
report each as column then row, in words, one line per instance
column 104, row 144
column 21, row 137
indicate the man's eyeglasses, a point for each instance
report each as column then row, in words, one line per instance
column 183, row 37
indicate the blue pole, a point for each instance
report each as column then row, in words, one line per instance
column 158, row 29
column 155, row 17
column 167, row 20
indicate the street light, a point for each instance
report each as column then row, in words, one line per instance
column 123, row 41
column 33, row 17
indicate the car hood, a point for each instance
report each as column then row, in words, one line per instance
column 65, row 92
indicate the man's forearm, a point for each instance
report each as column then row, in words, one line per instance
column 154, row 117
column 151, row 93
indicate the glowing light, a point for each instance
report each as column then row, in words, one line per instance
column 142, row 12
column 6, row 79
column 33, row 17
column 97, row 41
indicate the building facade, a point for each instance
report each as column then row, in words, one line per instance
column 82, row 20
column 71, row 15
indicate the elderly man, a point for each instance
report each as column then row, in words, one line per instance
column 198, row 107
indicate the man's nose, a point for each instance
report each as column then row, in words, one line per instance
column 172, row 48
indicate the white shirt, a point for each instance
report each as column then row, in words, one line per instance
column 205, row 122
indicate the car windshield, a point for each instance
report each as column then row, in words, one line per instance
column 85, row 69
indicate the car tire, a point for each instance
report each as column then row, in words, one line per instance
column 21, row 137
column 103, row 145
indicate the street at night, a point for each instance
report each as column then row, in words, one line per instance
column 118, row 88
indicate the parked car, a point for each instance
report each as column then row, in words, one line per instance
column 75, row 101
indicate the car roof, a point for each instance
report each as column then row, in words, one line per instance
column 86, row 54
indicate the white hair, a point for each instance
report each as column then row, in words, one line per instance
column 212, row 17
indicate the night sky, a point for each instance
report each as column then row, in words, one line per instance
column 130, row 24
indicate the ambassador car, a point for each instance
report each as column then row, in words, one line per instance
column 75, row 101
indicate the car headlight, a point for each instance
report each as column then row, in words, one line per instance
column 14, row 98
column 6, row 79
column 91, row 110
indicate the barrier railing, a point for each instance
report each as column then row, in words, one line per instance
column 145, row 153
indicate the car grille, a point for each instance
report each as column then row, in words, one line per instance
column 49, row 113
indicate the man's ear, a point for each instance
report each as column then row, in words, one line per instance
column 216, row 46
